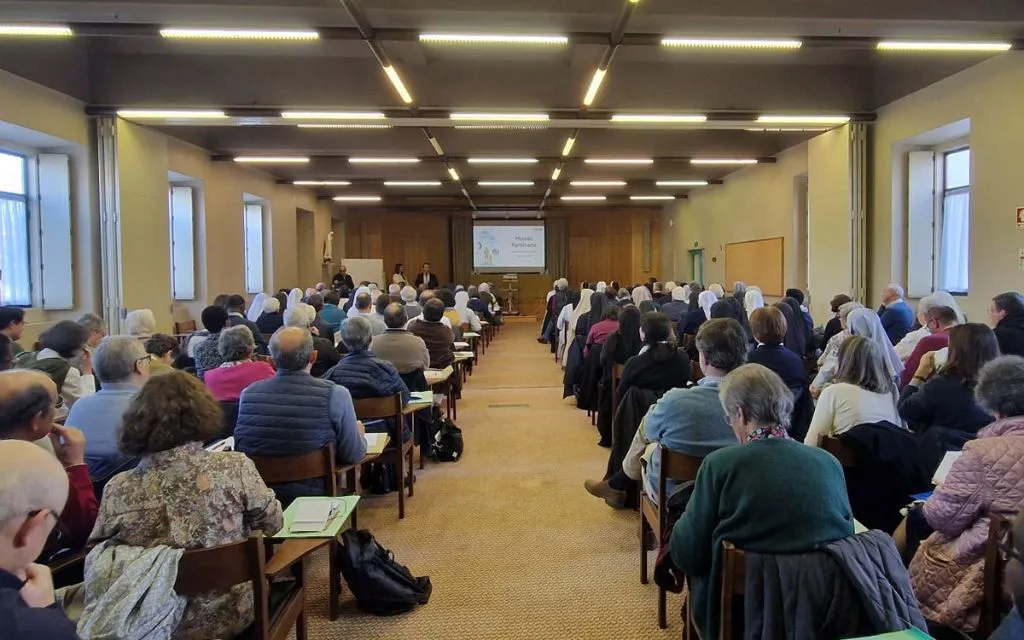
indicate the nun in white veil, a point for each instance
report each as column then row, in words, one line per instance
column 352, row 311
column 256, row 307
column 752, row 300
column 705, row 301
column 294, row 297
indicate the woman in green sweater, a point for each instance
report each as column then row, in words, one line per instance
column 770, row 495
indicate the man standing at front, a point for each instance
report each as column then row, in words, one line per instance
column 425, row 278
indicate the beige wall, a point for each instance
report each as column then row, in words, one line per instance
column 829, row 242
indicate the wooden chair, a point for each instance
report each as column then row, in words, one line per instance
column 993, row 603
column 219, row 568
column 674, row 466
column 734, row 583
column 314, row 465
column 184, row 327
column 397, row 452
column 842, row 453
column 616, row 376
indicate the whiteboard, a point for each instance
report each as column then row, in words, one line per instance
column 360, row 269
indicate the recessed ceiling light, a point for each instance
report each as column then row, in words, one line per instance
column 557, row 172
column 344, row 125
column 333, row 115
column 652, row 197
column 322, row 183
column 733, row 43
column 505, row 183
column 582, row 198
column 53, row 30
column 453, row 173
column 595, row 84
column 491, row 38
column 272, row 159
column 797, row 119
column 360, row 160
column 681, row 183
column 905, row 45
column 567, row 147
column 412, row 183
column 170, row 114
column 396, row 82
column 238, row 34
column 619, row 161
column 723, row 161
column 665, row 119
column 356, row 198
column 499, row 117
column 598, row 183
column 502, row 160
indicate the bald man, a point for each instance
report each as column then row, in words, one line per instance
column 33, row 490
column 27, row 408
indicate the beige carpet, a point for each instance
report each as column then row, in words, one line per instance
column 513, row 544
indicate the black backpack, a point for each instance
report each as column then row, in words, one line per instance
column 380, row 585
column 448, row 443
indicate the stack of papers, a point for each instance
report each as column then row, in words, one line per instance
column 421, row 397
column 462, row 345
column 470, row 334
column 375, row 443
column 227, row 444
column 463, row 355
column 313, row 516
column 944, row 466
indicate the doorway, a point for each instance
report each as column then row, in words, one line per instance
column 696, row 265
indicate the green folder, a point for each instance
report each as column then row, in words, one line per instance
column 907, row 634
column 470, row 334
column 346, row 505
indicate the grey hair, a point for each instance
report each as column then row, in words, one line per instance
column 394, row 289
column 140, row 322
column 295, row 360
column 91, row 322
column 561, row 284
column 356, row 333
column 999, row 385
column 271, row 305
column 408, row 293
column 739, row 287
column 236, row 343
column 862, row 363
column 760, row 393
column 30, row 479
column 115, row 357
column 846, row 308
column 299, row 315
column 896, row 288
column 723, row 343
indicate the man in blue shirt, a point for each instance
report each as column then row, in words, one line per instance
column 331, row 312
column 122, row 366
column 897, row 316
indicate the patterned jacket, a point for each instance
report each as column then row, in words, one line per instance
column 987, row 480
column 188, row 498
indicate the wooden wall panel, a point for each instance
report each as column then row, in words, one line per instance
column 407, row 237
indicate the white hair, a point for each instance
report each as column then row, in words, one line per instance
column 408, row 293
column 140, row 323
column 717, row 290
column 896, row 288
column 394, row 289
column 271, row 305
column 299, row 315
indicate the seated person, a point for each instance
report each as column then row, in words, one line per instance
column 862, row 392
column 1012, row 626
column 606, row 326
column 398, row 345
column 324, row 328
column 122, row 366
column 165, row 351
column 447, row 296
column 294, row 413
column 746, row 494
column 986, row 480
column 65, row 358
column 938, row 299
column 272, row 317
column 439, row 338
column 96, row 327
column 12, row 324
column 938, row 321
column 363, row 373
column 660, row 365
column 409, row 297
column 768, row 325
column 207, row 355
column 236, row 316
column 331, row 313
column 834, row 325
column 677, row 308
column 688, row 421
column 33, row 490
column 301, row 316
column 830, row 353
column 27, row 410
column 364, row 307
column 476, row 303
column 236, row 346
column 185, row 497
column 140, row 323
column 467, row 317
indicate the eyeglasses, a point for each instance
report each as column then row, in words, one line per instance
column 62, row 532
column 146, row 358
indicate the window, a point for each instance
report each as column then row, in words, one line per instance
column 253, row 247
column 954, row 232
column 183, row 277
column 15, row 265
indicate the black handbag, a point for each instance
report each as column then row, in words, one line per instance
column 380, row 585
column 448, row 443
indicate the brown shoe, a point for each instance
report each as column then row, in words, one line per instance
column 600, row 489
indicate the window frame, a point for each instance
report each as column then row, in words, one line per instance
column 193, row 194
column 27, row 199
column 942, row 153
column 248, row 258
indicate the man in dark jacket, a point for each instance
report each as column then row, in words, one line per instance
column 294, row 413
column 236, row 316
column 425, row 278
column 342, row 279
column 1006, row 316
column 439, row 339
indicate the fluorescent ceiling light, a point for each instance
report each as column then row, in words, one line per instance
column 35, row 30
column 598, row 183
column 567, row 147
column 652, row 197
column 322, row 183
column 396, row 81
column 138, row 114
column 595, row 84
column 436, row 145
column 666, row 119
column 733, row 43
column 412, row 183
column 582, row 198
column 239, row 34
column 905, row 45
column 557, row 172
column 333, row 115
column 357, row 198
column 453, row 173
column 500, row 117
column 340, row 125
column 272, row 159
column 723, row 161
column 507, row 125
column 502, row 160
column 619, row 161
column 681, row 183
column 505, row 183
column 785, row 119
column 358, row 160
column 486, row 38
column 784, row 129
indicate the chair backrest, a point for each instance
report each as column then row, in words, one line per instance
column 317, row 464
column 379, row 408
column 675, row 466
column 734, row 582
column 993, row 601
column 842, row 453
column 187, row 326
column 222, row 567
column 616, row 376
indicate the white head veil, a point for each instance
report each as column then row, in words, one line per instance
column 866, row 323
column 752, row 300
column 294, row 298
column 706, row 300
column 256, row 307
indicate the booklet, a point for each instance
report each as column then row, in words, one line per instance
column 944, row 466
column 375, row 443
column 317, row 517
column 421, row 397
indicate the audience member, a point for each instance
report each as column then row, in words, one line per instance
column 862, row 392
column 364, row 307
column 412, row 307
column 301, row 316
column 140, row 323
column 830, row 354
column 122, row 366
column 802, row 311
column 397, row 345
column 324, row 329
column 624, row 342
column 439, row 339
column 33, row 490
column 579, row 322
column 204, row 499
column 12, row 324
column 752, row 301
column 331, row 312
column 834, row 325
column 207, row 354
column 987, row 480
column 294, row 413
column 239, row 370
column 717, row 289
column 63, row 346
column 769, row 327
column 272, row 317
column 563, row 323
column 607, row 323
column 640, row 295
column 1006, row 317
column 938, row 322
column 256, row 306
column 676, row 309
column 746, row 494
column 897, row 316
column 96, row 327
column 659, row 365
column 796, row 330
column 6, row 353
column 739, row 293
column 699, row 313
column 468, row 317
column 165, row 351
column 938, row 299
column 236, row 316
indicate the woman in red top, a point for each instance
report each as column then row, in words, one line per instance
column 600, row 331
column 236, row 346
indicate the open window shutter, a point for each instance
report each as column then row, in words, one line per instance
column 55, row 231
column 920, row 223
column 182, row 244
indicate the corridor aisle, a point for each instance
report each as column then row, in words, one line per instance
column 514, row 545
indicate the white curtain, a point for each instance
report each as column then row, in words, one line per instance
column 15, row 279
column 955, row 246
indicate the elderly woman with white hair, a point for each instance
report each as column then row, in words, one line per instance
column 140, row 323
column 409, row 300
column 236, row 346
column 271, row 319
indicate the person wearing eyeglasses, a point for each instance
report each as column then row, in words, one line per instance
column 1012, row 548
column 33, row 490
column 123, row 366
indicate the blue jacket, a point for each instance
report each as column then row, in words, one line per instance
column 21, row 622
column 294, row 413
column 897, row 318
column 365, row 375
column 332, row 315
column 99, row 417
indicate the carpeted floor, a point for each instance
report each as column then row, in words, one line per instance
column 513, row 544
